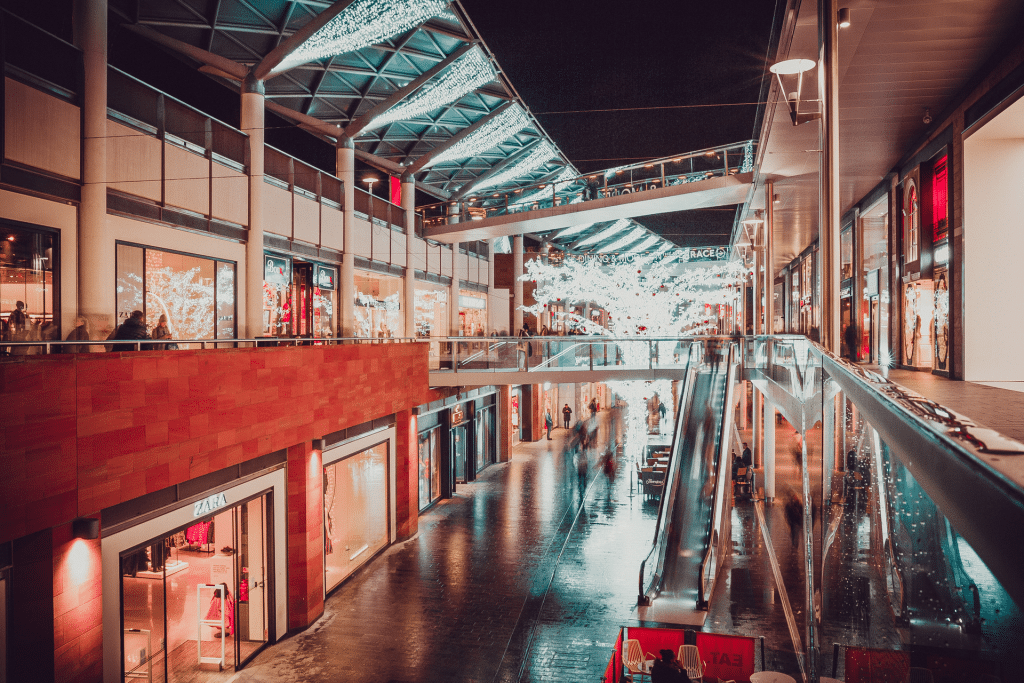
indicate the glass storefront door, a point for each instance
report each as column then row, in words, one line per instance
column 195, row 602
column 460, row 443
column 484, row 437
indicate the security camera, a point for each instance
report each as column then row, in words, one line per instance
column 927, row 117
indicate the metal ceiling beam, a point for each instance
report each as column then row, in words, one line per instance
column 352, row 129
column 234, row 69
column 497, row 168
column 266, row 68
column 424, row 160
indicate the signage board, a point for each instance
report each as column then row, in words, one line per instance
column 472, row 302
column 324, row 277
column 277, row 270
column 203, row 507
column 457, row 415
column 694, row 254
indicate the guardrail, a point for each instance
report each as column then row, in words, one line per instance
column 28, row 348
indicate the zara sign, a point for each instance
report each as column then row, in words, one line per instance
column 209, row 504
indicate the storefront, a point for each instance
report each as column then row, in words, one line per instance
column 874, row 237
column 434, row 483
column 196, row 293
column 358, row 503
column 472, row 313
column 28, row 274
column 455, row 442
column 517, row 415
column 300, row 298
column 198, row 588
column 378, row 307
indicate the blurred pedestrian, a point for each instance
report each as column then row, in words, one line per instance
column 566, row 415
column 548, row 423
column 794, row 512
column 80, row 333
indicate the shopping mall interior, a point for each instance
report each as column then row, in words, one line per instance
column 574, row 360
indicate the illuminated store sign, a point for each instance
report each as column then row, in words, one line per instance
column 942, row 254
column 209, row 504
column 705, row 254
column 324, row 278
column 457, row 415
column 277, row 270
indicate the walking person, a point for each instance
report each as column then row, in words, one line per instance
column 794, row 512
column 548, row 423
column 566, row 415
column 80, row 333
column 131, row 329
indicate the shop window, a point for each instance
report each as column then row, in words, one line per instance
column 940, row 199
column 355, row 512
column 429, row 467
column 27, row 276
column 197, row 598
column 277, row 297
column 472, row 313
column 325, row 297
column 846, row 252
column 912, row 222
column 378, row 305
column 197, row 294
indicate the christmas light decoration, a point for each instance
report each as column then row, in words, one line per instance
column 633, row 236
column 466, row 74
column 574, row 230
column 361, row 24
column 615, row 228
column 497, row 130
column 568, row 173
column 647, row 243
column 644, row 296
column 503, row 245
column 531, row 161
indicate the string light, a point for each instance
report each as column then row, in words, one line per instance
column 574, row 230
column 361, row 24
column 535, row 158
column 497, row 130
column 466, row 74
column 568, row 173
column 647, row 243
column 616, row 227
column 633, row 236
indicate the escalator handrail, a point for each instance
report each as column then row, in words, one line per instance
column 723, row 446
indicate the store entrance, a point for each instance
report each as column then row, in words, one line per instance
column 195, row 602
column 460, row 443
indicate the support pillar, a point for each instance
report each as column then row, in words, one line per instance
column 769, row 451
column 504, row 427
column 96, row 250
column 545, row 317
column 409, row 283
column 758, row 280
column 252, row 124
column 744, row 422
column 828, row 190
column 758, row 428
column 345, row 159
column 517, row 289
column 454, row 326
column 497, row 317
column 828, row 447
column 305, row 535
column 407, row 483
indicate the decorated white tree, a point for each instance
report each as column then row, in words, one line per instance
column 646, row 296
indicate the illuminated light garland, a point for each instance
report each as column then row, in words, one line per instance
column 361, row 24
column 633, row 236
column 644, row 297
column 748, row 157
column 567, row 173
column 574, row 230
column 533, row 160
column 647, row 243
column 466, row 74
column 662, row 249
column 616, row 227
column 503, row 245
column 497, row 130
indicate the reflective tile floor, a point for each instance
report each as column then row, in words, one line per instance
column 521, row 577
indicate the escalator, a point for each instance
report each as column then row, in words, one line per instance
column 676, row 577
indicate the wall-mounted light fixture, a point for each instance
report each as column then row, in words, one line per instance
column 791, row 80
column 844, row 17
column 776, row 199
column 319, row 444
column 86, row 527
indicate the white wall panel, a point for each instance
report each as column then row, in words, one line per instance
column 434, row 258
column 41, row 131
column 418, row 254
column 186, row 183
column 133, row 161
column 381, row 244
column 333, row 227
column 361, row 237
column 446, row 260
column 461, row 266
column 307, row 220
column 230, row 195
column 277, row 210
column 398, row 248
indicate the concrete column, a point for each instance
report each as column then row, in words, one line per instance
column 504, row 426
column 857, row 296
column 409, row 206
column 497, row 319
column 828, row 447
column 453, row 293
column 758, row 280
column 757, row 429
column 828, row 190
column 769, row 451
column 305, row 535
column 252, row 124
column 96, row 251
column 517, row 289
column 769, row 258
column 345, row 160
column 545, row 316
column 406, row 475
column 744, row 422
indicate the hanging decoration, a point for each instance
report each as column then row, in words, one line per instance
column 633, row 236
column 568, row 173
column 361, row 24
column 598, row 237
column 466, row 74
column 490, row 135
column 531, row 161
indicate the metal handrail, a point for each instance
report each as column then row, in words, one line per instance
column 137, row 344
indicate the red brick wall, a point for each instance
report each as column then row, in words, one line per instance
column 407, row 475
column 77, row 608
column 305, row 535
column 504, row 435
column 82, row 432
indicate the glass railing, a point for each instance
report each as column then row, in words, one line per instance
column 913, row 534
column 31, row 348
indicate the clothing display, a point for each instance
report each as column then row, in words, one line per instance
column 200, row 533
column 213, row 613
